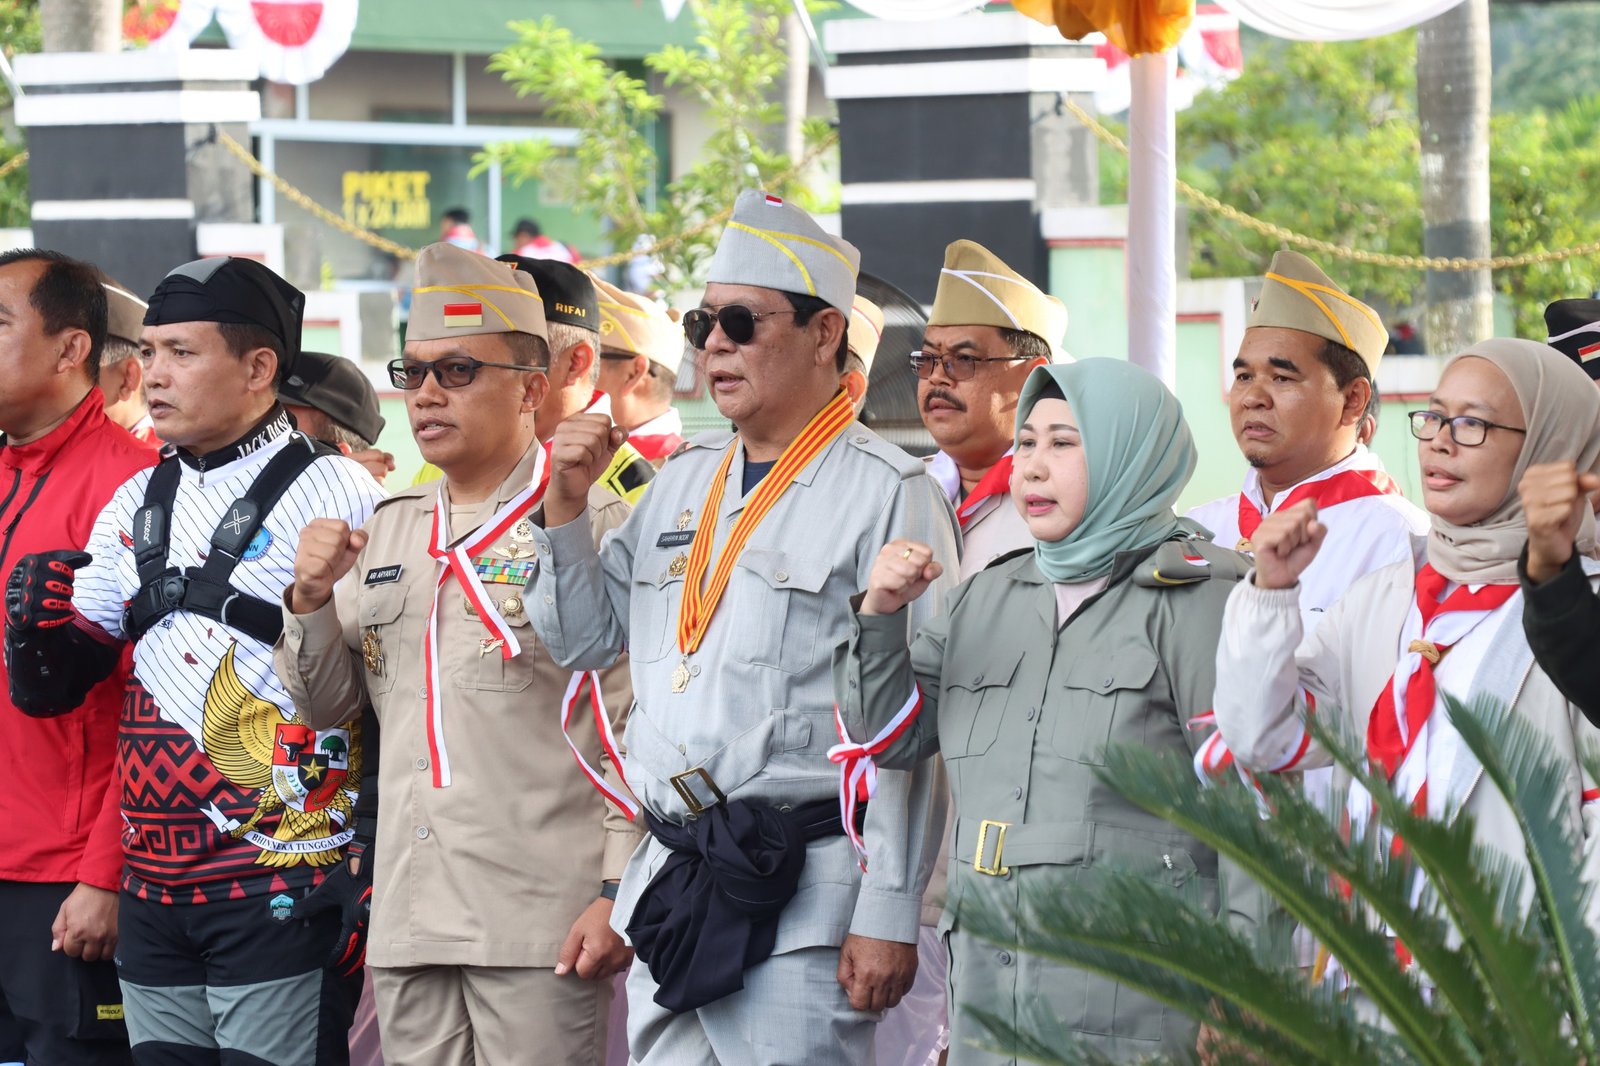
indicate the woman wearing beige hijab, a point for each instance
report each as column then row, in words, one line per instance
column 1451, row 622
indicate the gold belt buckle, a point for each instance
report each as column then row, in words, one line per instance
column 683, row 783
column 999, row 846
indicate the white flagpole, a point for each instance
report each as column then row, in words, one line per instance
column 1152, row 235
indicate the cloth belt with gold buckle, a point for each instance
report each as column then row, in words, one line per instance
column 994, row 869
column 697, row 790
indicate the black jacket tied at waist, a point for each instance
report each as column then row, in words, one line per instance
column 712, row 910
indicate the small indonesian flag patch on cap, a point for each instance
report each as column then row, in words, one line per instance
column 773, row 201
column 1589, row 351
column 456, row 315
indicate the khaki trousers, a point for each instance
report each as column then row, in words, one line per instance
column 490, row 1016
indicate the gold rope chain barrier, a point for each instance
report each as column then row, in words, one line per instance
column 1339, row 251
column 400, row 251
column 13, row 163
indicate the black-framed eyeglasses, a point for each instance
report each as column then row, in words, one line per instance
column 452, row 372
column 738, row 323
column 956, row 367
column 1465, row 430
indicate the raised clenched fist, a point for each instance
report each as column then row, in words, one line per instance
column 1554, row 498
column 903, row 571
column 580, row 451
column 39, row 590
column 1285, row 543
column 327, row 550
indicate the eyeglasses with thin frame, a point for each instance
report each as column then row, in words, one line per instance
column 738, row 323
column 452, row 372
column 956, row 367
column 1465, row 430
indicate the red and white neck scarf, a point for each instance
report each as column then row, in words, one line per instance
column 997, row 482
column 1338, row 488
column 457, row 562
column 660, row 437
column 1402, row 717
column 858, row 770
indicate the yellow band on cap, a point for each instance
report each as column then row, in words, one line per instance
column 478, row 291
column 1309, row 289
column 805, row 275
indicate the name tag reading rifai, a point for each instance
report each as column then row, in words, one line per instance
column 383, row 575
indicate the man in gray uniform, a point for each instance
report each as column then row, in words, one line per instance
column 730, row 585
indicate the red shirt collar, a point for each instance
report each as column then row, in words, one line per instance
column 37, row 455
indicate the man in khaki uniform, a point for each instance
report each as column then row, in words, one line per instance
column 641, row 352
column 490, row 938
column 988, row 329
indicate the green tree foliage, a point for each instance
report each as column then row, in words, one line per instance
column 19, row 32
column 1544, row 54
column 1514, row 966
column 734, row 70
column 1323, row 139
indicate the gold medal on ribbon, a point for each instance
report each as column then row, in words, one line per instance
column 372, row 651
column 680, row 675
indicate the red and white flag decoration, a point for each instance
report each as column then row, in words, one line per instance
column 293, row 41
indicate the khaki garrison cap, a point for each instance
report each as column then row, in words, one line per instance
column 977, row 289
column 770, row 244
column 124, row 313
column 461, row 293
column 633, row 323
column 866, row 330
column 1298, row 295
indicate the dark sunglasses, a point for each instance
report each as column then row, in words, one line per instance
column 452, row 372
column 738, row 323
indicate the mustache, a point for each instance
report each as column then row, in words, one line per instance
column 943, row 394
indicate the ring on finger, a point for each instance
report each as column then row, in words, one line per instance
column 906, row 554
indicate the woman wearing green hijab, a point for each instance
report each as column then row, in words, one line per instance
column 1104, row 633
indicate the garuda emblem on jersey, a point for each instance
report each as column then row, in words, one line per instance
column 305, row 776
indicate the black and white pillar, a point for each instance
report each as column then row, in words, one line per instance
column 952, row 129
column 122, row 159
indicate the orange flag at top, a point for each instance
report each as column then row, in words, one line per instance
column 1135, row 26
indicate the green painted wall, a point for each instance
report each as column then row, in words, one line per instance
column 624, row 29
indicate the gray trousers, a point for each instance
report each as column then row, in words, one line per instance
column 792, row 1011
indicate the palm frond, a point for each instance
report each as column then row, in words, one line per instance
column 1227, row 820
column 1497, row 980
column 1134, row 930
column 1038, row 1036
column 1527, row 771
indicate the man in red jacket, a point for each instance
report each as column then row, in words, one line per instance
column 60, row 822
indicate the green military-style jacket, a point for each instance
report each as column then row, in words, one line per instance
column 1022, row 711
